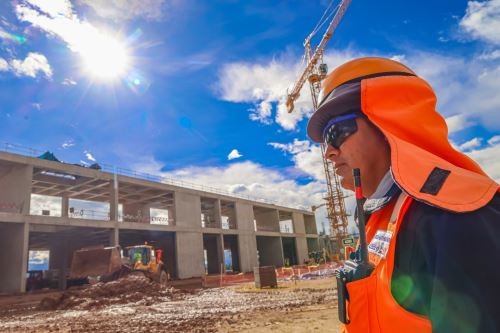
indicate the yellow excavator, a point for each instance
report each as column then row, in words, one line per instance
column 111, row 263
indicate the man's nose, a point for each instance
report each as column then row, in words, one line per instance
column 331, row 153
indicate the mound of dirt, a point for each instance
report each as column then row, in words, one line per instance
column 129, row 289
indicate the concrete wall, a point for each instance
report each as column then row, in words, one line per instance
column 187, row 210
column 310, row 224
column 248, row 251
column 270, row 251
column 302, row 250
column 189, row 254
column 136, row 213
column 14, row 239
column 15, row 188
column 267, row 220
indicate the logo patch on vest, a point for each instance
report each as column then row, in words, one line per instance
column 380, row 243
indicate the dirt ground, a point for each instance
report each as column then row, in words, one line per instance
column 135, row 305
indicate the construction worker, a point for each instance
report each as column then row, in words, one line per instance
column 433, row 216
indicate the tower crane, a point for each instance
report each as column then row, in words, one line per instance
column 314, row 72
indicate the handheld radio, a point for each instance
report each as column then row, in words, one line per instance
column 359, row 267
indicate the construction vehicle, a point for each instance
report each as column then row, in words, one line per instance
column 145, row 258
column 111, row 263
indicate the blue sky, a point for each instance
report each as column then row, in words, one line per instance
column 204, row 78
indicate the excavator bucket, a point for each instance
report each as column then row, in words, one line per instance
column 100, row 261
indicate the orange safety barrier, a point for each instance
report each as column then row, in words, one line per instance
column 219, row 280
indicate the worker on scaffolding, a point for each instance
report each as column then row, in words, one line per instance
column 433, row 214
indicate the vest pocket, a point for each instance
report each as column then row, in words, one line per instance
column 361, row 308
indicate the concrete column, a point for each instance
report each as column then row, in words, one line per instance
column 15, row 185
column 220, row 247
column 281, row 251
column 114, row 237
column 64, row 206
column 218, row 218
column 248, row 252
column 187, row 210
column 113, row 199
column 302, row 250
column 298, row 223
column 63, row 268
column 14, row 239
column 189, row 250
column 244, row 217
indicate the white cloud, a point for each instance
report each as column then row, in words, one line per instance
column 69, row 82
column 471, row 144
column 492, row 55
column 482, row 20
column 53, row 8
column 38, row 257
column 127, row 9
column 234, row 154
column 89, row 156
column 67, row 144
column 487, row 157
column 4, row 65
column 457, row 123
column 36, row 106
column 32, row 65
column 245, row 178
column 59, row 20
column 265, row 85
column 306, row 157
column 494, row 140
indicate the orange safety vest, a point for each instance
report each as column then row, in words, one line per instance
column 372, row 307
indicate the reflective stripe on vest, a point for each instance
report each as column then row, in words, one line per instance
column 371, row 307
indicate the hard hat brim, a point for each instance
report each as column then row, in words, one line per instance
column 344, row 99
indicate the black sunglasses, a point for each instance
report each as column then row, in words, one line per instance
column 340, row 128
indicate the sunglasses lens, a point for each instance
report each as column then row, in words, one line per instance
column 339, row 132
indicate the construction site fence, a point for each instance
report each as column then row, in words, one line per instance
column 222, row 280
column 32, row 152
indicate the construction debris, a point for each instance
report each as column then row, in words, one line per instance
column 137, row 304
column 132, row 288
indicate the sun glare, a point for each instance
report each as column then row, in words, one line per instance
column 105, row 58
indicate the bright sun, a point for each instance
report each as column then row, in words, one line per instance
column 105, row 58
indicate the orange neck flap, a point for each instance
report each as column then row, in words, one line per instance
column 423, row 162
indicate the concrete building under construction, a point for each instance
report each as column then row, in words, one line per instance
column 47, row 205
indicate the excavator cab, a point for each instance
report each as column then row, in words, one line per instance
column 140, row 254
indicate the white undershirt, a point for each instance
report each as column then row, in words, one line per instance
column 383, row 187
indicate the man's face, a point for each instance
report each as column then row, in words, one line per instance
column 367, row 150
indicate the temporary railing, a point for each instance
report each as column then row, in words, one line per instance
column 19, row 149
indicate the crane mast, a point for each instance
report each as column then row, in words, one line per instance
column 314, row 72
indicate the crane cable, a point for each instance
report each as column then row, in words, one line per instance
column 324, row 19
